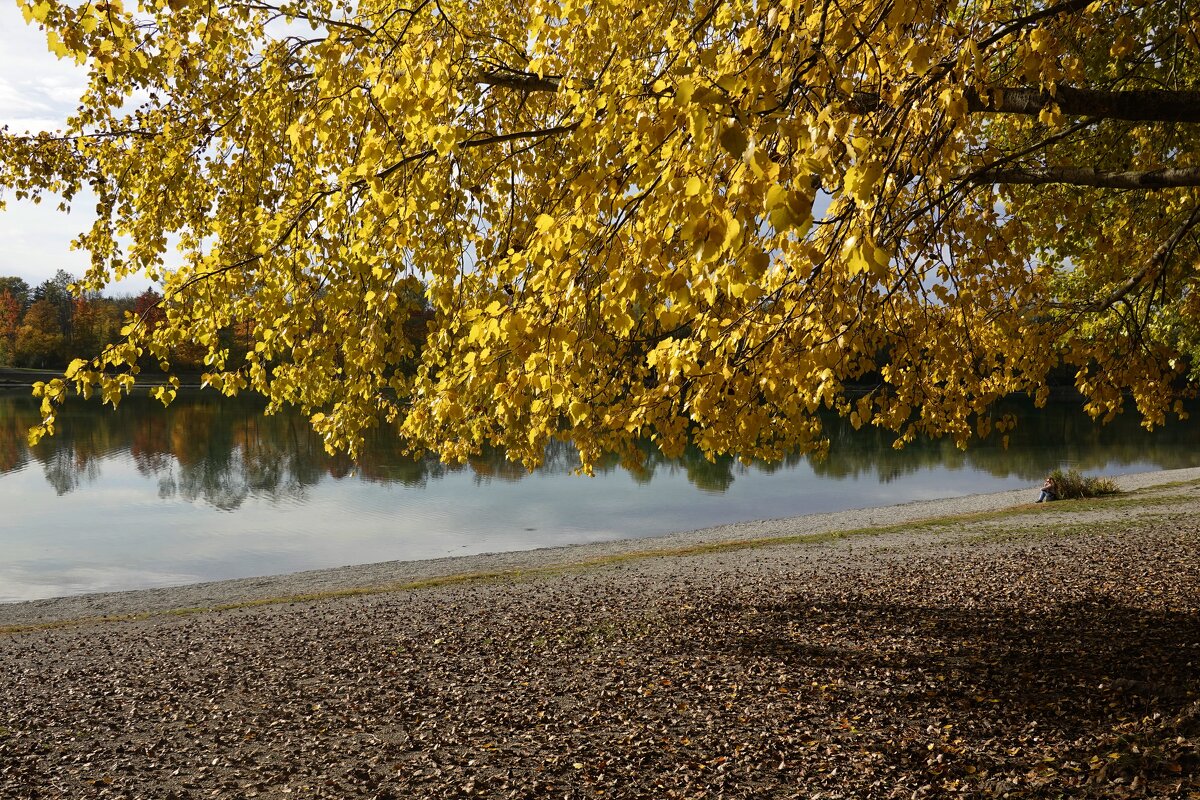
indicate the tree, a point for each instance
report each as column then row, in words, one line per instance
column 95, row 323
column 17, row 287
column 39, row 340
column 57, row 292
column 10, row 319
column 692, row 221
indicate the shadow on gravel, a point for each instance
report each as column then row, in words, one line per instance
column 1109, row 692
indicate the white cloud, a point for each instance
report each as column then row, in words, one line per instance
column 38, row 92
column 35, row 242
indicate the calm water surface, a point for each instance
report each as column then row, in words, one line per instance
column 209, row 489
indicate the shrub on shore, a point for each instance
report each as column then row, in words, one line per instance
column 1072, row 485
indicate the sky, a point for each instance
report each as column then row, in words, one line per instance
column 38, row 92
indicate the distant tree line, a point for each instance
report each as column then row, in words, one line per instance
column 41, row 325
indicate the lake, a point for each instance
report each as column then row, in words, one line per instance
column 210, row 489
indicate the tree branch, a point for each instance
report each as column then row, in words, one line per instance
column 1017, row 24
column 1162, row 178
column 524, row 81
column 1137, row 105
column 1155, row 267
column 467, row 144
column 539, row 133
column 973, row 176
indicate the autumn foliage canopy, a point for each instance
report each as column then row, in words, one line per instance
column 698, row 222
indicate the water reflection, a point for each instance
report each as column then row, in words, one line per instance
column 224, row 451
column 210, row 489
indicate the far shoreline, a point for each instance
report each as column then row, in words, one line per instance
column 398, row 575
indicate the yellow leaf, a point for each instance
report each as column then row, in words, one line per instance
column 733, row 230
column 734, row 140
column 56, row 44
column 856, row 262
column 757, row 264
column 793, row 210
column 684, row 89
column 776, row 196
column 920, row 57
column 860, row 180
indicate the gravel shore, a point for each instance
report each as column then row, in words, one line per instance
column 975, row 647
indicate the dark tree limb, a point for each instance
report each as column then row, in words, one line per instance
column 1163, row 178
column 1137, row 105
column 1018, row 25
column 523, row 81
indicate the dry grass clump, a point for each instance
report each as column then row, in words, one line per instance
column 1072, row 485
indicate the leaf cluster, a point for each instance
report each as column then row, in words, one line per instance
column 697, row 223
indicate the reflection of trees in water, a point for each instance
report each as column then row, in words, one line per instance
column 1050, row 436
column 13, row 452
column 491, row 465
column 384, row 460
column 709, row 476
column 238, row 455
column 150, row 444
column 200, row 448
column 71, row 461
column 869, row 451
column 67, row 470
column 224, row 451
column 562, row 459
